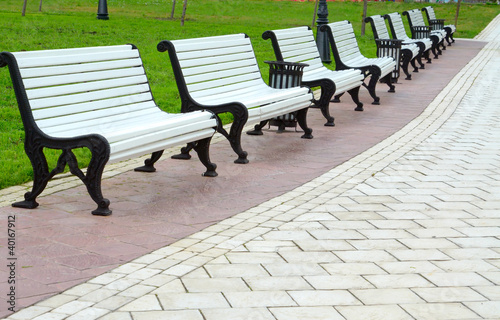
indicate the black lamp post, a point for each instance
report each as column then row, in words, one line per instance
column 102, row 10
column 322, row 37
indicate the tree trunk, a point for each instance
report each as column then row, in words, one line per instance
column 24, row 8
column 456, row 14
column 184, row 12
column 173, row 10
column 40, row 6
column 363, row 23
column 314, row 15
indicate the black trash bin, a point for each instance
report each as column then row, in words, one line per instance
column 283, row 74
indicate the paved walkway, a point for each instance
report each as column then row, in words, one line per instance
column 408, row 229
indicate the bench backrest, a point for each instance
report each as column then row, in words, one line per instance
column 415, row 18
column 213, row 65
column 76, row 87
column 295, row 45
column 378, row 26
column 396, row 25
column 431, row 15
column 344, row 41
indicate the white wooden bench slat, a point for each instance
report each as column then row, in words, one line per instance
column 71, row 122
column 115, row 121
column 207, row 44
column 70, row 51
column 305, row 58
column 314, row 64
column 135, row 101
column 202, row 96
column 297, row 46
column 43, row 113
column 229, row 75
column 291, row 33
column 88, row 96
column 216, row 60
column 176, row 127
column 123, row 128
column 82, row 77
column 85, row 87
column 276, row 109
column 218, row 67
column 194, row 54
column 187, row 44
column 77, row 58
column 346, row 40
column 381, row 27
column 290, row 41
column 83, row 67
column 247, row 77
column 144, row 148
column 251, row 100
column 346, row 49
column 131, row 142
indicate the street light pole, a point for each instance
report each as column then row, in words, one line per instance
column 322, row 37
column 102, row 10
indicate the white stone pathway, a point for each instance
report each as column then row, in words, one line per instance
column 409, row 229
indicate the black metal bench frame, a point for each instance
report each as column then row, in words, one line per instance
column 423, row 31
column 371, row 70
column 36, row 141
column 437, row 24
column 327, row 86
column 406, row 54
column 424, row 53
column 237, row 109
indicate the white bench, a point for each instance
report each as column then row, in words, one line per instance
column 298, row 45
column 437, row 24
column 417, row 25
column 347, row 56
column 410, row 52
column 398, row 32
column 98, row 98
column 221, row 74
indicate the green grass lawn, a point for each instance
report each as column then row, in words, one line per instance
column 73, row 23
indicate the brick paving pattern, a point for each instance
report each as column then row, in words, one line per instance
column 407, row 229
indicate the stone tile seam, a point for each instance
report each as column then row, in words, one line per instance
column 439, row 110
column 187, row 248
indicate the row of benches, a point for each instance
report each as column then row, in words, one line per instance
column 99, row 98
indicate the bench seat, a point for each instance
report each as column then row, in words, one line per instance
column 298, row 45
column 98, row 98
column 347, row 56
column 221, row 74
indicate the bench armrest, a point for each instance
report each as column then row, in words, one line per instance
column 420, row 32
column 436, row 24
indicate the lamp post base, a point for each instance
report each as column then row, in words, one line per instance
column 102, row 10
